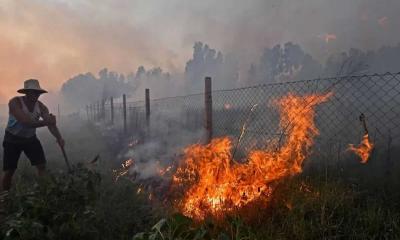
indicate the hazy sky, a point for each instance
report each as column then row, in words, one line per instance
column 55, row 39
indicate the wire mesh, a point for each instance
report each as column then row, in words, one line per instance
column 376, row 96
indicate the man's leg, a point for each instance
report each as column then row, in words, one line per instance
column 34, row 151
column 12, row 152
column 41, row 169
column 7, row 179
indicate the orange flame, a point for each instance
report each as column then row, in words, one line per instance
column 215, row 185
column 364, row 149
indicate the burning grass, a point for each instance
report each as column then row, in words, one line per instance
column 302, row 208
column 86, row 205
column 214, row 185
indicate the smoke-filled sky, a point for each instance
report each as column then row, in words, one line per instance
column 54, row 40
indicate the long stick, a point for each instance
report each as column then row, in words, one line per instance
column 244, row 128
column 364, row 123
column 65, row 158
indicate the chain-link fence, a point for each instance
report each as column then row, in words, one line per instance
column 376, row 96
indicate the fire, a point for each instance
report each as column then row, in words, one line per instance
column 163, row 171
column 364, row 149
column 125, row 166
column 214, row 184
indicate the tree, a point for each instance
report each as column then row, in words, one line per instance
column 284, row 63
column 210, row 62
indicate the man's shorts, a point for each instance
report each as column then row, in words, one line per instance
column 12, row 151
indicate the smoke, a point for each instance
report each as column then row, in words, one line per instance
column 54, row 40
column 171, row 130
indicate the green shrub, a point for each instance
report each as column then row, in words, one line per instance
column 76, row 205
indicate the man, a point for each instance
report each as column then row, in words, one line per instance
column 26, row 114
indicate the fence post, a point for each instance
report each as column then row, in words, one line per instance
column 91, row 112
column 124, row 111
column 147, row 98
column 103, row 109
column 112, row 109
column 87, row 112
column 208, row 109
column 98, row 110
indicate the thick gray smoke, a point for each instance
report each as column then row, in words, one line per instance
column 243, row 43
column 171, row 130
column 86, row 35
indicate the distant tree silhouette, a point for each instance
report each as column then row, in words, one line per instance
column 283, row 63
column 209, row 62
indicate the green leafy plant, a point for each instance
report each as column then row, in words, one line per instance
column 76, row 205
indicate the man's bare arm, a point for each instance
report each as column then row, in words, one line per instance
column 16, row 110
column 53, row 127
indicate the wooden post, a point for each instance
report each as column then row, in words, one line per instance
column 91, row 112
column 124, row 111
column 112, row 109
column 95, row 111
column 98, row 111
column 208, row 109
column 87, row 112
column 103, row 109
column 147, row 98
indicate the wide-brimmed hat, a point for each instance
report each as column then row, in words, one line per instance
column 31, row 84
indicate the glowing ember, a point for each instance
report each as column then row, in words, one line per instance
column 364, row 149
column 163, row 171
column 124, row 169
column 214, row 184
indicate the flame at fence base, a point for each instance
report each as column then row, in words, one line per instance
column 214, row 185
column 364, row 149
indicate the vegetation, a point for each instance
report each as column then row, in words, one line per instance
column 302, row 208
column 76, row 205
column 87, row 205
column 333, row 203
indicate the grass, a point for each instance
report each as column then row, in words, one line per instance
column 77, row 205
column 302, row 208
column 353, row 201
